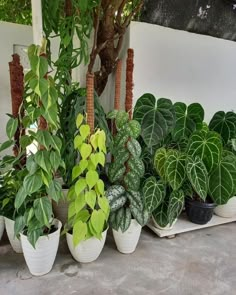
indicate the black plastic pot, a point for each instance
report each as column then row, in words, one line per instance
column 199, row 213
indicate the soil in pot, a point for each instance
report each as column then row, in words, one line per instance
column 14, row 241
column 228, row 210
column 87, row 251
column 127, row 242
column 1, row 226
column 40, row 259
column 199, row 212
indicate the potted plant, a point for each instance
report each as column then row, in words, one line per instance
column 128, row 213
column 38, row 230
column 225, row 125
column 88, row 207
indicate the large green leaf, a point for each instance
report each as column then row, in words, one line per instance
column 43, row 160
column 20, row 197
column 175, row 168
column 141, row 215
column 175, row 205
column 55, row 190
column 132, row 181
column 11, row 128
column 222, row 181
column 160, row 215
column 156, row 118
column 79, row 232
column 154, row 193
column 134, row 147
column 136, row 164
column 206, row 145
column 43, row 210
column 198, row 176
column 159, row 162
column 32, row 183
column 224, row 124
column 188, row 119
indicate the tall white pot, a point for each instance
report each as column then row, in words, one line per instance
column 87, row 251
column 15, row 243
column 60, row 209
column 1, row 226
column 127, row 242
column 41, row 259
column 228, row 210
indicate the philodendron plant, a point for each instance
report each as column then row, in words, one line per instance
column 125, row 173
column 89, row 208
column 33, row 200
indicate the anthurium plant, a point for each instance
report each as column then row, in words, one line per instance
column 89, row 208
column 125, row 173
column 33, row 199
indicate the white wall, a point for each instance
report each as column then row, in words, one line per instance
column 184, row 66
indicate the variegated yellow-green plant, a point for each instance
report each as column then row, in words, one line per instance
column 89, row 208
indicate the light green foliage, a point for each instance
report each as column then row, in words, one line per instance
column 89, row 208
column 125, row 173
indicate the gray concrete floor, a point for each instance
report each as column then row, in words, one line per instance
column 197, row 263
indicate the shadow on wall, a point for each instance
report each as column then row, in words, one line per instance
column 216, row 18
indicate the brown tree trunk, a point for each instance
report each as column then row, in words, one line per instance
column 129, row 82
column 90, row 100
column 17, row 91
column 118, row 84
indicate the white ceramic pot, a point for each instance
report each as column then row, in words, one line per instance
column 60, row 209
column 15, row 243
column 87, row 251
column 228, row 210
column 1, row 226
column 127, row 242
column 41, row 259
column 168, row 227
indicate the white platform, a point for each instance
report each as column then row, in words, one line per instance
column 184, row 225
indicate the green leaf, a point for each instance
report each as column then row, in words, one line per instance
column 123, row 218
column 157, row 118
column 25, row 141
column 84, row 131
column 55, row 160
column 141, row 215
column 134, row 128
column 19, row 225
column 175, row 206
column 92, row 178
column 33, row 236
column 20, row 197
column 121, row 119
column 100, row 158
column 43, row 210
column 85, row 150
column 79, row 232
column 78, row 141
column 98, row 220
column 32, row 183
column 222, row 181
column 132, row 181
column 80, row 185
column 79, row 120
column 55, row 190
column 198, row 176
column 80, row 202
column 188, row 119
column 90, row 198
column 42, row 159
column 160, row 215
column 159, row 162
column 56, row 143
column 114, row 192
column 104, row 205
column 175, row 168
column 5, row 145
column 79, row 169
column 39, row 86
column 206, row 145
column 11, row 128
column 224, row 124
column 135, row 199
column 100, row 187
column 154, row 193
column 51, row 115
column 136, row 164
column 44, row 138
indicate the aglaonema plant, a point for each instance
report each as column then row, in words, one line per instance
column 89, row 208
column 33, row 199
column 125, row 173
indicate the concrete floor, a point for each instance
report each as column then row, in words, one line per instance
column 197, row 263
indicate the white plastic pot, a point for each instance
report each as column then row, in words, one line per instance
column 168, row 227
column 60, row 209
column 87, row 251
column 1, row 226
column 127, row 242
column 41, row 259
column 228, row 210
column 15, row 243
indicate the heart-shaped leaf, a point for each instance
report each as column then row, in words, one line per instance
column 85, row 150
column 91, row 178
